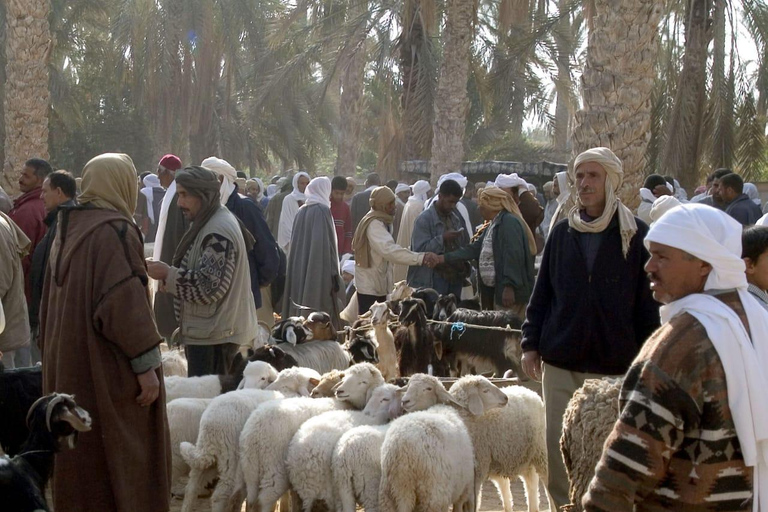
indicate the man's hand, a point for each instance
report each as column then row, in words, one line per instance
column 508, row 297
column 532, row 364
column 450, row 236
column 661, row 190
column 150, row 388
column 157, row 270
column 430, row 259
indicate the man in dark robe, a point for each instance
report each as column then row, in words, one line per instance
column 170, row 229
column 99, row 343
column 313, row 279
column 360, row 201
column 275, row 206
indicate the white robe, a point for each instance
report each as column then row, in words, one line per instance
column 413, row 208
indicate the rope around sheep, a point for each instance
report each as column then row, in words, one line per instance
column 455, row 326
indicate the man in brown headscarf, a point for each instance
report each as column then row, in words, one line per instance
column 209, row 277
column 98, row 342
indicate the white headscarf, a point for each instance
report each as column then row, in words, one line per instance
column 713, row 236
column 510, row 181
column 751, row 190
column 296, row 194
column 348, row 266
column 455, row 176
column 680, row 192
column 260, row 183
column 319, row 192
column 150, row 181
column 222, row 168
column 420, row 189
column 462, row 181
column 271, row 190
column 661, row 206
column 532, row 188
column 565, row 189
column 614, row 178
column 402, row 187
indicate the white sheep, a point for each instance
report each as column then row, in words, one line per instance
column 174, row 364
column 259, row 374
column 310, row 454
column 506, row 427
column 220, row 427
column 184, row 416
column 587, row 422
column 322, row 356
column 356, row 462
column 426, row 463
column 268, row 432
column 380, row 317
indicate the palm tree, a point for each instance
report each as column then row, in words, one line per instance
column 27, row 98
column 451, row 101
column 617, row 83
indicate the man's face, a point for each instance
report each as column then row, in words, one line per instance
column 302, row 183
column 446, row 204
column 337, row 195
column 716, row 191
column 391, row 208
column 165, row 176
column 674, row 274
column 252, row 190
column 52, row 197
column 404, row 196
column 350, row 189
column 757, row 271
column 556, row 188
column 590, row 183
column 727, row 194
column 189, row 204
column 29, row 180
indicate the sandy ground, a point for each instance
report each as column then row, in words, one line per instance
column 491, row 501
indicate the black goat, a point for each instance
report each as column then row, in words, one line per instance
column 291, row 330
column 444, row 307
column 19, row 389
column 268, row 353
column 54, row 422
column 417, row 348
column 362, row 348
column 430, row 297
column 477, row 351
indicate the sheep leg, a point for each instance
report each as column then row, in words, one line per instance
column 196, row 477
column 531, row 485
column 502, row 485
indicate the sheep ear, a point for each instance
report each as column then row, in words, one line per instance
column 314, row 382
column 242, row 384
column 475, row 404
column 395, row 407
column 438, row 344
column 444, row 397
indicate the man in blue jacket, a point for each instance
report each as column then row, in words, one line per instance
column 591, row 308
column 737, row 204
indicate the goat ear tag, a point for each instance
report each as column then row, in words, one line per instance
column 475, row 405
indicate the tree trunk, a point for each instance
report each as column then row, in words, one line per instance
column 452, row 101
column 351, row 116
column 27, row 98
column 617, row 84
column 562, row 85
column 682, row 152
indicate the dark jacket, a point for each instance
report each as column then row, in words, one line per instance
column 360, row 206
column 264, row 254
column 594, row 322
column 512, row 260
column 40, row 263
column 744, row 210
column 175, row 227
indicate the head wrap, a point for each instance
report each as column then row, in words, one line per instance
column 661, row 206
column 259, row 184
column 402, row 187
column 509, row 181
column 203, row 183
column 222, row 168
column 613, row 180
column 679, row 191
column 150, row 181
column 455, row 176
column 496, row 199
column 296, row 194
column 532, row 188
column 271, row 190
column 348, row 266
column 171, row 162
column 241, row 182
column 381, row 197
column 420, row 189
column 714, row 237
column 109, row 182
column 319, row 192
column 751, row 190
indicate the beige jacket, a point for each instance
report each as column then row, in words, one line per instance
column 14, row 245
column 377, row 280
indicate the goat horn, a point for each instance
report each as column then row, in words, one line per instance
column 76, row 421
column 33, row 407
column 49, row 410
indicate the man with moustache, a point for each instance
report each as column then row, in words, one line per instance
column 591, row 308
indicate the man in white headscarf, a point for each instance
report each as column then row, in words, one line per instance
column 565, row 199
column 226, row 173
column 149, row 205
column 413, row 207
column 291, row 205
column 693, row 427
column 550, row 196
column 313, row 280
column 529, row 206
column 462, row 181
column 591, row 308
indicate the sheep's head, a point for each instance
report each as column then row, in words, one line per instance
column 58, row 415
column 320, row 327
column 291, row 330
column 324, row 388
column 401, row 291
column 445, row 307
column 363, row 349
column 423, row 391
column 358, row 384
column 257, row 375
column 384, row 404
column 478, row 395
column 381, row 314
column 296, row 381
column 274, row 356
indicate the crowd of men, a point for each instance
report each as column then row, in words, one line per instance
column 673, row 297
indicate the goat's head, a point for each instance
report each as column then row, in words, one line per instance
column 401, row 291
column 319, row 327
column 59, row 416
column 274, row 356
column 291, row 330
column 384, row 404
column 423, row 391
column 478, row 395
column 429, row 296
column 358, row 384
column 413, row 312
column 363, row 349
column 381, row 314
column 445, row 307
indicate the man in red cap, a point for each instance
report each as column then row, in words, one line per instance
column 170, row 228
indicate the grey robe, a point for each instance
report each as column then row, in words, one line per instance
column 312, row 277
column 272, row 215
